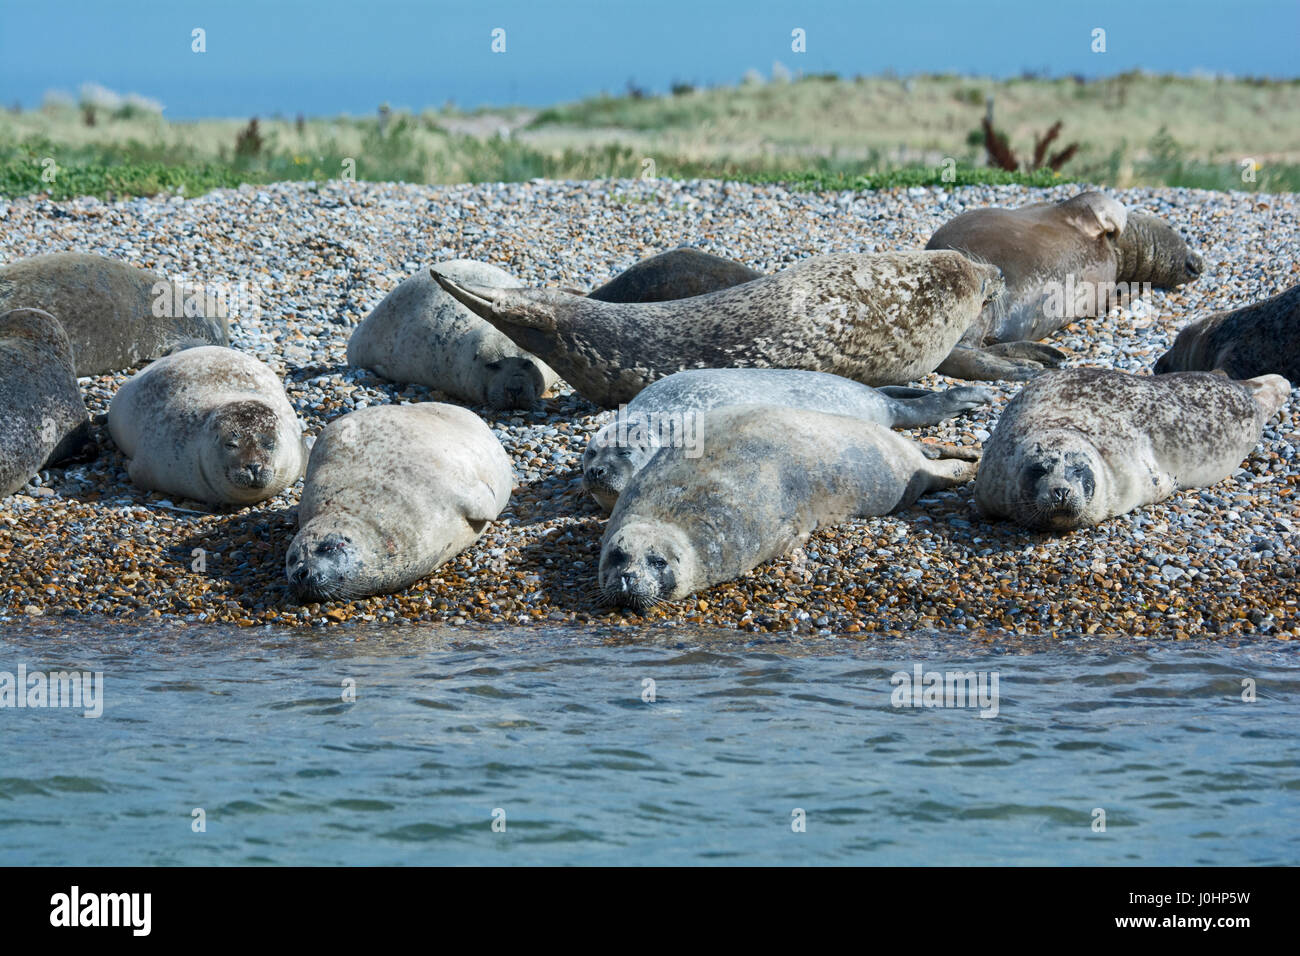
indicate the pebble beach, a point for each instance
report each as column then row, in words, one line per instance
column 83, row 542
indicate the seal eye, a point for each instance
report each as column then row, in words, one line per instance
column 656, row 562
column 231, row 444
column 1035, row 472
column 494, row 366
column 617, row 556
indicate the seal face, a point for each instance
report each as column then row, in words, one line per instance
column 765, row 479
column 115, row 315
column 1078, row 446
column 420, row 334
column 43, row 418
column 877, row 319
column 391, row 493
column 1064, row 261
column 1257, row 339
column 210, row 424
column 672, row 411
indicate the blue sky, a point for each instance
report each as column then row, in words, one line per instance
column 334, row 56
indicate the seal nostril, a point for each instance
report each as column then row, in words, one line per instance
column 1061, row 495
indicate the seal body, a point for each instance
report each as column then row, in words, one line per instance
column 676, row 274
column 1064, row 261
column 766, row 479
column 671, row 411
column 1255, row 340
column 43, row 418
column 115, row 315
column 877, row 319
column 391, row 493
column 420, row 334
column 210, row 424
column 1078, row 446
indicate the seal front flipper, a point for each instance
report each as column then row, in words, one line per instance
column 1047, row 355
column 979, row 365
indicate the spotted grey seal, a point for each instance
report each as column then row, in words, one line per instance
column 877, row 319
column 43, row 419
column 211, row 424
column 1060, row 261
column 420, row 334
column 670, row 410
column 676, row 274
column 766, row 479
column 1075, row 447
column 115, row 315
column 391, row 493
column 1253, row 340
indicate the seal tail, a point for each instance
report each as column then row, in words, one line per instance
column 1269, row 391
column 529, row 308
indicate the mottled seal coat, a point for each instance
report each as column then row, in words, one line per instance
column 877, row 319
column 767, row 478
column 391, row 493
column 1076, row 447
column 419, row 334
column 43, row 419
column 1089, row 242
column 676, row 274
column 109, row 310
column 210, row 424
column 1254, row 340
column 671, row 409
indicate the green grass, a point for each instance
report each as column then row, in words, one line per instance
column 821, row 133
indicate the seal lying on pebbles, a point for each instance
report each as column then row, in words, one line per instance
column 1076, row 447
column 667, row 412
column 1061, row 261
column 767, row 477
column 419, row 334
column 210, row 424
column 43, row 419
column 391, row 493
column 1254, row 340
column 115, row 315
column 877, row 319
column 675, row 274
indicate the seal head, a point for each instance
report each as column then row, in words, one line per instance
column 646, row 563
column 240, row 459
column 1058, row 482
column 330, row 564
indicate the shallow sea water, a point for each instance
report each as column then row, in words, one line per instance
column 549, row 731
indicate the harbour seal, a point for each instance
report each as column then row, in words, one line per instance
column 420, row 334
column 877, row 319
column 1060, row 261
column 671, row 410
column 1254, row 340
column 43, row 419
column 1078, row 446
column 676, row 274
column 766, row 479
column 115, row 315
column 391, row 493
column 211, row 424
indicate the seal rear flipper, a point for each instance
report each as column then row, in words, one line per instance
column 978, row 365
column 931, row 408
column 1270, row 392
column 521, row 307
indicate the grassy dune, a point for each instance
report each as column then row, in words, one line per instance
column 817, row 132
